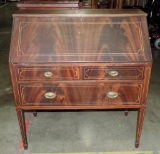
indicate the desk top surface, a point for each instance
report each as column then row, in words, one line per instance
column 81, row 12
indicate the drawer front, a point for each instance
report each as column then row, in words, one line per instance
column 80, row 94
column 48, row 73
column 119, row 73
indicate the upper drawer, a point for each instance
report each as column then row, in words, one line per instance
column 123, row 73
column 31, row 73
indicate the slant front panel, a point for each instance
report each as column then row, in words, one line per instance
column 80, row 38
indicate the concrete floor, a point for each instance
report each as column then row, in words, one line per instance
column 88, row 131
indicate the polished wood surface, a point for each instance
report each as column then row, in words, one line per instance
column 80, row 94
column 80, row 59
column 48, row 73
column 113, row 73
column 80, row 13
column 110, row 38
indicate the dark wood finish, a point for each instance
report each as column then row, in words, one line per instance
column 49, row 4
column 80, row 59
column 123, row 73
column 80, row 94
column 134, row 2
column 21, row 119
column 140, row 119
column 79, row 48
column 35, row 73
column 118, row 4
column 74, row 4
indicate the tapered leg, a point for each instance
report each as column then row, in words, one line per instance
column 34, row 113
column 126, row 112
column 21, row 119
column 140, row 120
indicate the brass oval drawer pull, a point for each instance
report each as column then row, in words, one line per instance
column 113, row 73
column 50, row 95
column 112, row 94
column 48, row 74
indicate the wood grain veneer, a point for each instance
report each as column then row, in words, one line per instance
column 80, row 59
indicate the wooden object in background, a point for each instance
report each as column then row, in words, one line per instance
column 49, row 4
column 119, row 3
column 72, row 4
column 115, row 4
column 80, row 59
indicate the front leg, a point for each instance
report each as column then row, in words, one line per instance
column 21, row 119
column 140, row 120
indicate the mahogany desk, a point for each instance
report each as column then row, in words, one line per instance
column 80, row 59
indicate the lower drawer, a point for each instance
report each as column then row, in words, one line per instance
column 63, row 94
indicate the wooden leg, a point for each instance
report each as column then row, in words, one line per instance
column 120, row 4
column 126, row 112
column 21, row 119
column 92, row 4
column 34, row 113
column 140, row 120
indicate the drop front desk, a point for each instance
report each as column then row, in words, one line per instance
column 80, row 59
